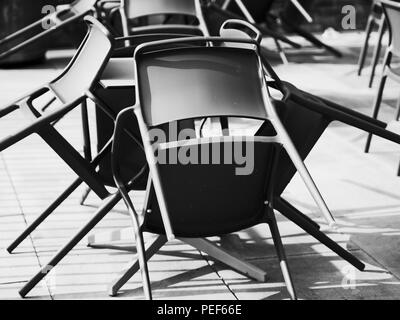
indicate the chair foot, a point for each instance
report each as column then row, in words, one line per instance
column 133, row 267
column 108, row 205
column 84, row 195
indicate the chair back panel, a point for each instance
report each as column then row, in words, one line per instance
column 211, row 199
column 86, row 65
column 392, row 12
column 142, row 8
column 199, row 82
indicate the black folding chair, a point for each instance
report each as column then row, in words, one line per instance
column 176, row 202
column 203, row 198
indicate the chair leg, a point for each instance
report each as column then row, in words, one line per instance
column 281, row 52
column 139, row 243
column 133, row 267
column 7, row 110
column 280, row 251
column 377, row 51
column 304, row 173
column 107, row 206
column 87, row 150
column 84, row 196
column 364, row 50
column 376, row 108
column 280, row 203
column 294, row 215
column 228, row 258
column 397, row 117
column 44, row 215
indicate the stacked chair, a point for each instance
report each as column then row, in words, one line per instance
column 206, row 199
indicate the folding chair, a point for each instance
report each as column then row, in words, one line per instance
column 392, row 13
column 260, row 9
column 138, row 9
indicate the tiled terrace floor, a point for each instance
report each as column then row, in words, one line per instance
column 362, row 191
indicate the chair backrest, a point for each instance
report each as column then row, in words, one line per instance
column 392, row 12
column 217, row 81
column 144, row 8
column 205, row 196
column 83, row 6
column 87, row 64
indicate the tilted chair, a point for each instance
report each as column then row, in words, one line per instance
column 304, row 138
column 105, row 116
column 392, row 12
column 62, row 17
column 176, row 201
column 261, row 12
column 202, row 199
column 70, row 89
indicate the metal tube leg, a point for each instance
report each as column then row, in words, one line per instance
column 280, row 251
column 87, row 150
column 364, row 50
column 44, row 215
column 280, row 203
column 108, row 205
column 377, row 51
column 377, row 105
column 84, row 196
column 130, row 270
column 317, row 234
column 228, row 258
column 281, row 52
column 305, row 175
column 139, row 243
column 7, row 110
